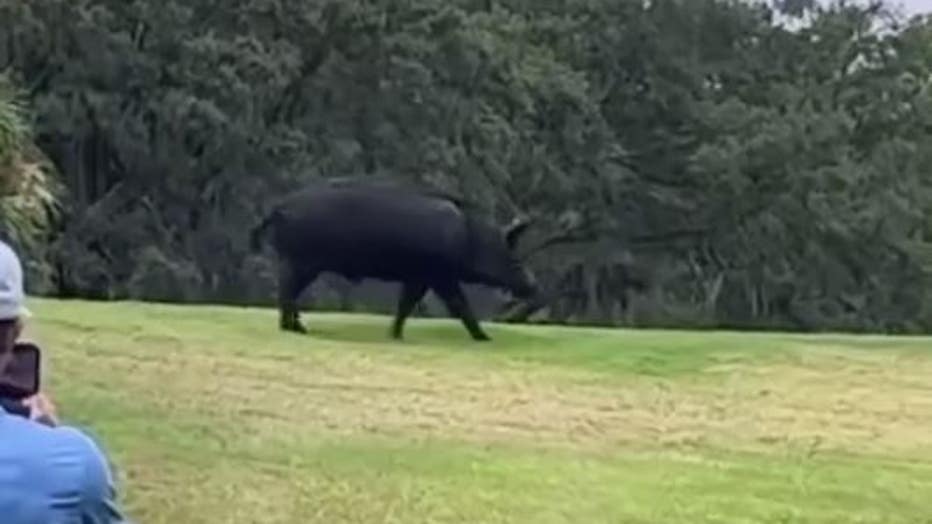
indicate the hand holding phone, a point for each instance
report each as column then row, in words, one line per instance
column 20, row 386
column 41, row 409
column 21, row 378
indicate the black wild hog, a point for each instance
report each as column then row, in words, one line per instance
column 388, row 232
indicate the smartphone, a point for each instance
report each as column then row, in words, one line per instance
column 20, row 379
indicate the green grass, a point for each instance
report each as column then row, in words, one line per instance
column 212, row 415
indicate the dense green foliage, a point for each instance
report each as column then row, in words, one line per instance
column 688, row 162
column 28, row 189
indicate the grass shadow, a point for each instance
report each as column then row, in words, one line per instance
column 418, row 332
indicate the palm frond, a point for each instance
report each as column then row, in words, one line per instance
column 29, row 189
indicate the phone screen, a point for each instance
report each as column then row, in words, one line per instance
column 20, row 379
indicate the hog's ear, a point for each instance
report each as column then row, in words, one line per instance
column 514, row 231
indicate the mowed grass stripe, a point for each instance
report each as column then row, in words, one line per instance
column 215, row 416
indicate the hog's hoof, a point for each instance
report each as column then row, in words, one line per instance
column 294, row 328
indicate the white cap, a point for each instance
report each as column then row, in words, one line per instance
column 12, row 296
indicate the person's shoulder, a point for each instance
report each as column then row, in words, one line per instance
column 68, row 458
column 79, row 440
column 84, row 455
column 32, row 434
column 75, row 454
column 97, row 486
column 87, row 449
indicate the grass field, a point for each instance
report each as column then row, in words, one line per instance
column 214, row 416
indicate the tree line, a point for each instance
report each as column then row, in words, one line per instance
column 685, row 162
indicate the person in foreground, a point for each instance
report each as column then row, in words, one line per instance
column 49, row 474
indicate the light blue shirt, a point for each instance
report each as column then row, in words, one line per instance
column 53, row 476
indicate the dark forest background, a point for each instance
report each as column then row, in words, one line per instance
column 688, row 163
